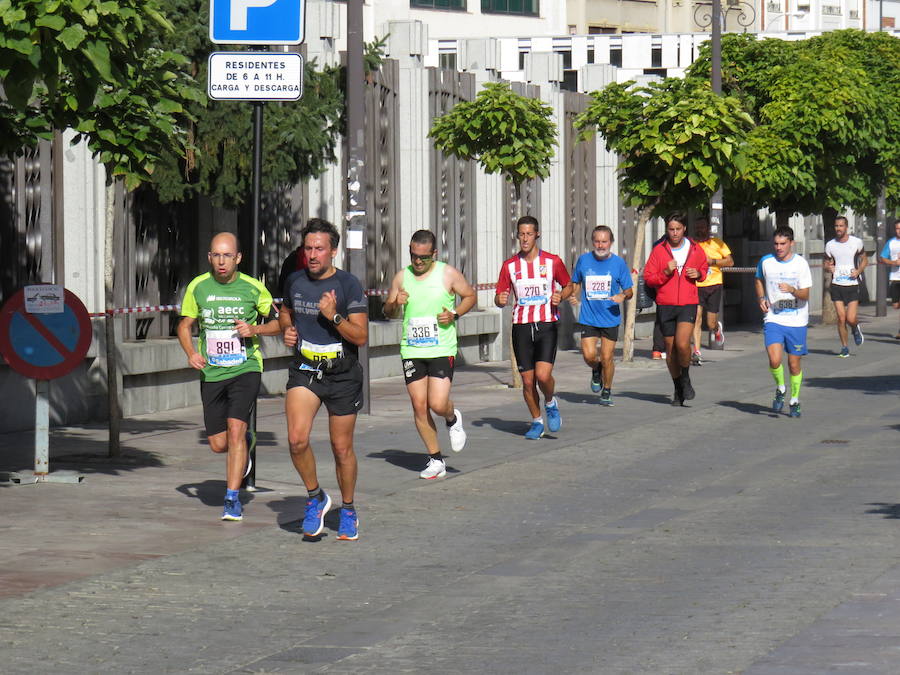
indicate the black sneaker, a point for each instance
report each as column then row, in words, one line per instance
column 606, row 398
column 596, row 382
column 678, row 396
column 686, row 387
column 778, row 401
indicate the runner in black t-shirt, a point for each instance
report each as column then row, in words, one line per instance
column 325, row 321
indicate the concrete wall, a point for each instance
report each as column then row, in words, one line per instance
column 154, row 375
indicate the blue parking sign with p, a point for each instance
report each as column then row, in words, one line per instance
column 256, row 22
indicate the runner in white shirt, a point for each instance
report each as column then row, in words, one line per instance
column 890, row 255
column 846, row 259
column 783, row 281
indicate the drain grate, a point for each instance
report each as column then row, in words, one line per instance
column 835, row 441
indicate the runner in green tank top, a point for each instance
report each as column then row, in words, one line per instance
column 423, row 294
column 423, row 337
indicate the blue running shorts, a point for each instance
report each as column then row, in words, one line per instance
column 792, row 337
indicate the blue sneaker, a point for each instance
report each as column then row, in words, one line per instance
column 596, row 383
column 845, row 352
column 314, row 520
column 795, row 409
column 606, row 398
column 554, row 421
column 858, row 337
column 348, row 530
column 535, row 431
column 232, row 510
column 778, row 401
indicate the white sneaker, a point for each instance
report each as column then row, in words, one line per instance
column 436, row 468
column 457, row 433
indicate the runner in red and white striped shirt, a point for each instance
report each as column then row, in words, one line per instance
column 539, row 281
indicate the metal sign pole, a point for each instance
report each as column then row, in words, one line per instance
column 41, row 428
column 356, row 178
column 250, row 480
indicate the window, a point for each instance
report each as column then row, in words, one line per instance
column 447, row 61
column 601, row 30
column 439, row 4
column 567, row 59
column 615, row 56
column 525, row 7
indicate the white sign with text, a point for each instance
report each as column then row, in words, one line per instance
column 255, row 76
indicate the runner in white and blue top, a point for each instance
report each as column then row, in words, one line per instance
column 602, row 281
column 783, row 281
column 890, row 255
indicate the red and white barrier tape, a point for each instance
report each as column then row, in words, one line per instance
column 370, row 292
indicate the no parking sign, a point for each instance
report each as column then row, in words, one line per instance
column 45, row 331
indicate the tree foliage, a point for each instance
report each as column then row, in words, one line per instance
column 827, row 134
column 675, row 139
column 505, row 132
column 94, row 66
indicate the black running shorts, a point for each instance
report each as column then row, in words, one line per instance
column 228, row 399
column 710, row 297
column 608, row 332
column 342, row 393
column 533, row 342
column 669, row 316
column 438, row 366
column 845, row 294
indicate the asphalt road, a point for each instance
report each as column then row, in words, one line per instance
column 714, row 538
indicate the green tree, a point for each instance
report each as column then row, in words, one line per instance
column 93, row 66
column 676, row 141
column 505, row 132
column 827, row 137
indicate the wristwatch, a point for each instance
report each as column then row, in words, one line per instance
column 337, row 319
column 455, row 315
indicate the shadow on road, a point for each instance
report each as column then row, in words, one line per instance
column 89, row 457
column 570, row 397
column 210, row 492
column 868, row 384
column 411, row 461
column 889, row 511
column 515, row 427
column 644, row 396
column 825, row 352
column 750, row 408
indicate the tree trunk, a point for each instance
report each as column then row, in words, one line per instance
column 637, row 257
column 112, row 369
column 515, row 375
column 829, row 316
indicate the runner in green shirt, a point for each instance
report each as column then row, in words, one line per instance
column 230, row 307
column 424, row 294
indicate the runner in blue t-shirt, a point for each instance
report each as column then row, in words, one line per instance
column 602, row 281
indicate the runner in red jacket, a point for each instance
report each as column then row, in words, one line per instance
column 675, row 266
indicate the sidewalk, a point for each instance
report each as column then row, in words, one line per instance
column 156, row 508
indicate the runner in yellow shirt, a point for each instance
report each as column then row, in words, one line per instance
column 710, row 290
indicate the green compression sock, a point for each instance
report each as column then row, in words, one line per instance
column 795, row 387
column 778, row 376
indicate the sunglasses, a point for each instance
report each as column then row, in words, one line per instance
column 423, row 258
